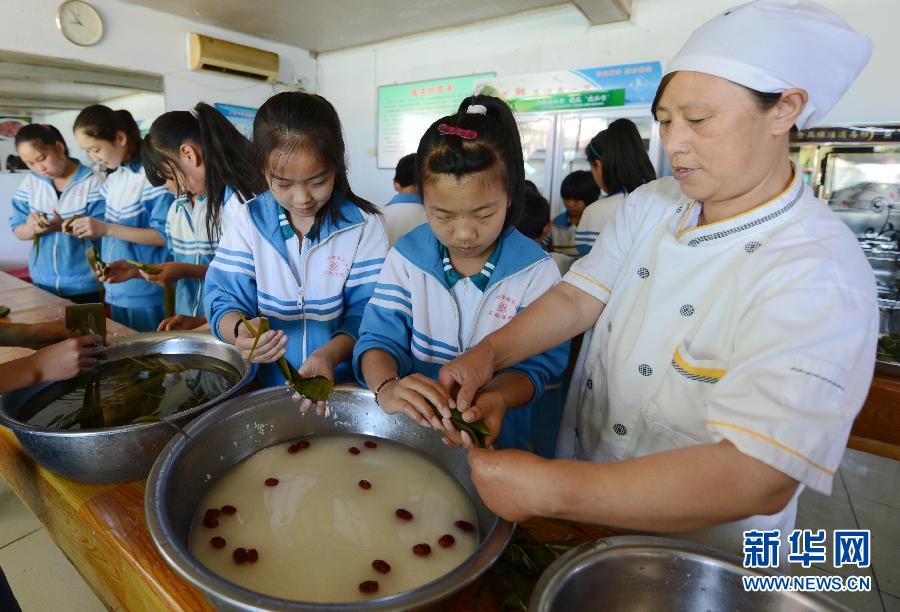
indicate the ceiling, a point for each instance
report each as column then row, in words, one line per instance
column 329, row 25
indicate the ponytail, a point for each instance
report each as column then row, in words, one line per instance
column 103, row 123
column 226, row 157
column 482, row 136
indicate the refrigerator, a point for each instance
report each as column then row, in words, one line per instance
column 553, row 143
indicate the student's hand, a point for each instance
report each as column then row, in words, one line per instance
column 38, row 335
column 270, row 347
column 119, row 272
column 318, row 364
column 467, row 374
column 169, row 272
column 88, row 228
column 490, row 407
column 40, row 223
column 67, row 359
column 506, row 480
column 181, row 322
column 411, row 396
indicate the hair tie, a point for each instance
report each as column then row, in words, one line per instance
column 449, row 130
column 193, row 111
column 477, row 109
column 594, row 151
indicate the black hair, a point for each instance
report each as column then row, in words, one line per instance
column 579, row 185
column 496, row 148
column 14, row 163
column 293, row 120
column 625, row 165
column 764, row 100
column 405, row 174
column 535, row 212
column 47, row 134
column 226, row 157
column 103, row 123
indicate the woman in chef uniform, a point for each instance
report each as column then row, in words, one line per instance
column 731, row 318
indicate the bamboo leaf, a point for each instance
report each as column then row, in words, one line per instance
column 478, row 431
column 84, row 319
column 316, row 388
column 169, row 300
column 146, row 268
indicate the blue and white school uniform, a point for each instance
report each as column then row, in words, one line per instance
column 313, row 293
column 403, row 213
column 424, row 315
column 562, row 234
column 188, row 240
column 594, row 219
column 58, row 263
column 131, row 200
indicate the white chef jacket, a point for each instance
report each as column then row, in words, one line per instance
column 759, row 329
column 594, row 219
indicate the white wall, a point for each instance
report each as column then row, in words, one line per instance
column 562, row 39
column 149, row 41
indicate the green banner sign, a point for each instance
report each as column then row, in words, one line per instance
column 405, row 111
column 569, row 101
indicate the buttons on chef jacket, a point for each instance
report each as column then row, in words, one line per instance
column 751, row 246
column 643, row 272
column 686, row 310
column 620, row 429
column 645, row 370
column 589, row 384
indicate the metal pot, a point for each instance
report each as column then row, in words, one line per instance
column 628, row 573
column 125, row 453
column 226, row 435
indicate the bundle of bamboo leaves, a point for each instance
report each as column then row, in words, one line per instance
column 135, row 390
column 316, row 388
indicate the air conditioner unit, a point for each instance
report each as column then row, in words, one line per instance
column 207, row 53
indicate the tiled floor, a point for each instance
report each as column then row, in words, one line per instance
column 866, row 495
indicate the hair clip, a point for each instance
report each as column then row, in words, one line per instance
column 477, row 109
column 193, row 111
column 449, row 130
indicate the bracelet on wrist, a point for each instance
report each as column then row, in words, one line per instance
column 237, row 325
column 382, row 385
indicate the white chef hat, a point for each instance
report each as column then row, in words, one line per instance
column 774, row 45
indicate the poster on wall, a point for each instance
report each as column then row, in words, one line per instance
column 240, row 117
column 10, row 126
column 405, row 111
column 594, row 87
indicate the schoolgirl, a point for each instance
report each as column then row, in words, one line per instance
column 199, row 156
column 447, row 284
column 305, row 254
column 57, row 188
column 135, row 218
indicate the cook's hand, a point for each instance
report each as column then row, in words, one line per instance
column 88, row 228
column 67, row 359
column 316, row 365
column 38, row 335
column 119, row 272
column 181, row 322
column 489, row 405
column 505, row 480
column 169, row 272
column 411, row 396
column 469, row 372
column 269, row 348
